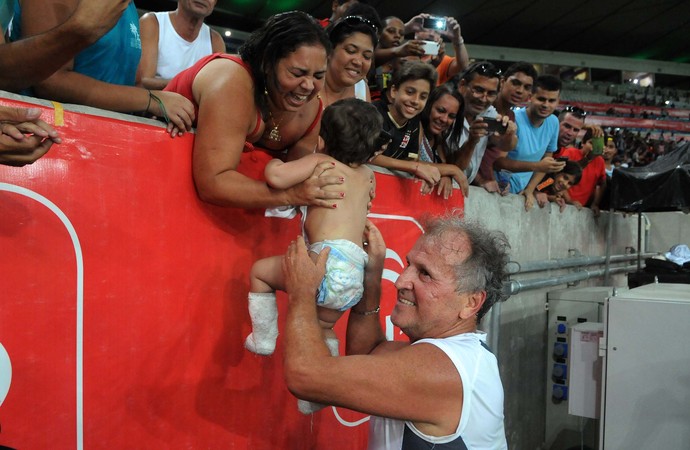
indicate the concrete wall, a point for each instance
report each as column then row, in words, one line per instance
column 537, row 235
column 666, row 230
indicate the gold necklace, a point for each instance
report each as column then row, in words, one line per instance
column 274, row 134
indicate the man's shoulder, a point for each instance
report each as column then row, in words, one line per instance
column 552, row 120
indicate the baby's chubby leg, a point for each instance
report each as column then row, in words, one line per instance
column 267, row 275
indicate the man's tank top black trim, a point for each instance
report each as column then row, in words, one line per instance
column 413, row 442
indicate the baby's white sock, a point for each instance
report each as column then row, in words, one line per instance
column 263, row 311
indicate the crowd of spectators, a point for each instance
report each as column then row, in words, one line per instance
column 165, row 43
column 637, row 148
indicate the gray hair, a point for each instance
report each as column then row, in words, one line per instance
column 484, row 268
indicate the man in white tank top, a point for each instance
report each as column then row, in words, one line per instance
column 172, row 41
column 441, row 389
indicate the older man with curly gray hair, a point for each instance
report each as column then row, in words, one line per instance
column 442, row 388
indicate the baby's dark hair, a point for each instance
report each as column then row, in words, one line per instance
column 350, row 129
column 574, row 169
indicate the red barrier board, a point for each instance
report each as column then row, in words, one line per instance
column 124, row 306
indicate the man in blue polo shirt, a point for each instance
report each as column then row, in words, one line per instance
column 537, row 132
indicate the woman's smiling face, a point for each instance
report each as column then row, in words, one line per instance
column 443, row 113
column 351, row 59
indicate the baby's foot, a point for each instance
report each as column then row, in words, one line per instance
column 262, row 347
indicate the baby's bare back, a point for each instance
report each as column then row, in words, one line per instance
column 348, row 219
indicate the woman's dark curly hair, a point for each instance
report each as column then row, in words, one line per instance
column 350, row 129
column 279, row 36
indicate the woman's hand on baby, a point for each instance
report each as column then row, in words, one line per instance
column 310, row 192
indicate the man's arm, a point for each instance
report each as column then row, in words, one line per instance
column 148, row 64
column 68, row 86
column 364, row 332
column 478, row 129
column 462, row 59
column 284, row 175
column 387, row 384
column 534, row 181
column 412, row 47
column 546, row 164
column 28, row 61
column 217, row 42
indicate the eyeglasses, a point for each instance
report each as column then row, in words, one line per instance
column 354, row 20
column 575, row 110
column 485, row 69
column 478, row 91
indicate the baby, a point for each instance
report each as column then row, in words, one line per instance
column 351, row 131
column 554, row 186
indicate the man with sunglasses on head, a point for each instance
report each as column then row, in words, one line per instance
column 479, row 87
column 571, row 121
column 537, row 131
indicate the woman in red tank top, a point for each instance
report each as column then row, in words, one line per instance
column 268, row 98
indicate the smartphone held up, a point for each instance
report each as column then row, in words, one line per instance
column 430, row 47
column 495, row 125
column 435, row 23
